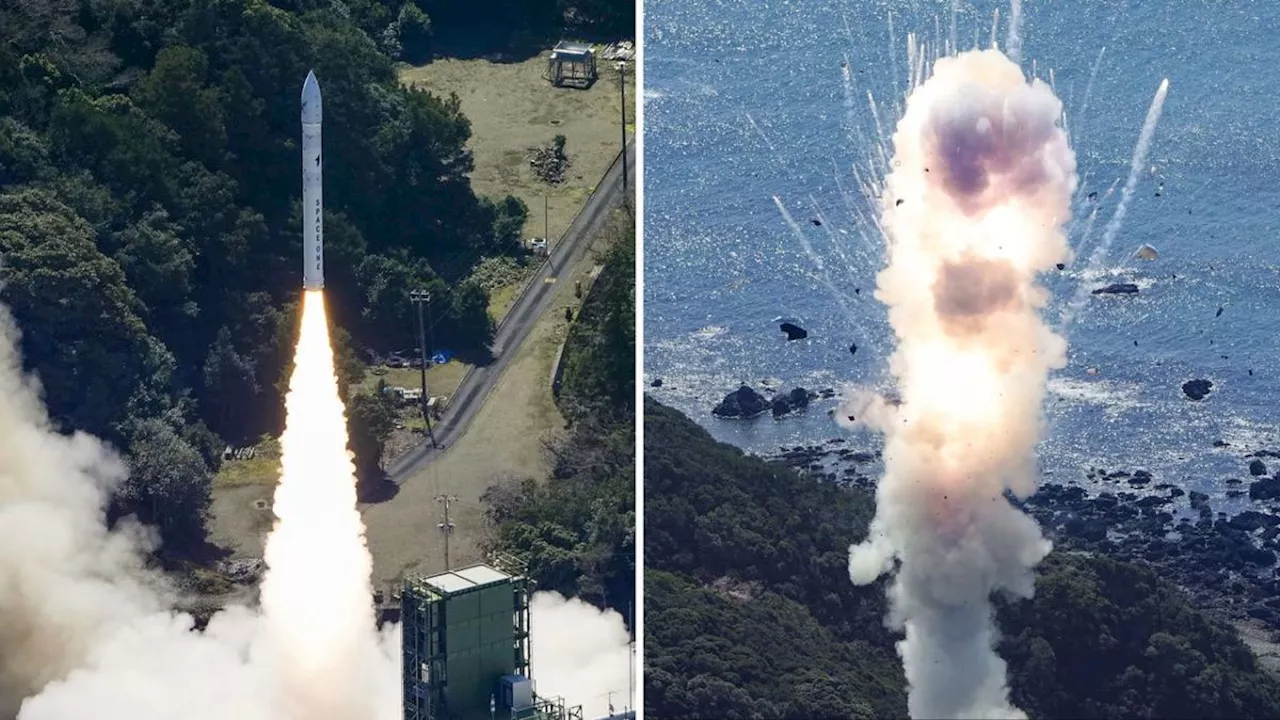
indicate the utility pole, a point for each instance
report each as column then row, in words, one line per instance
column 446, row 527
column 622, row 88
column 546, row 221
column 419, row 298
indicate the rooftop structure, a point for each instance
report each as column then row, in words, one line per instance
column 572, row 64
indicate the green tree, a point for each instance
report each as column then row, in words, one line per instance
column 176, row 94
column 58, row 284
column 169, row 485
column 414, row 33
column 230, row 387
column 371, row 418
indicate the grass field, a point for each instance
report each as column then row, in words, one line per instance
column 501, row 300
column 263, row 468
column 511, row 109
column 441, row 379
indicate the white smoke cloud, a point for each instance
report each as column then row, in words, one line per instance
column 974, row 209
column 580, row 653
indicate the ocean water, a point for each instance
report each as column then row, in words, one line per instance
column 747, row 101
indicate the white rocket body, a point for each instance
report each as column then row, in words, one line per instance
column 312, row 187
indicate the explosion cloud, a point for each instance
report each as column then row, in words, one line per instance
column 974, row 209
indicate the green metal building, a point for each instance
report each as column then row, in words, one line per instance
column 465, row 645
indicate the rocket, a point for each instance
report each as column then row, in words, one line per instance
column 312, row 187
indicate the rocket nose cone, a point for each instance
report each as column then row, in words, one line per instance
column 311, row 99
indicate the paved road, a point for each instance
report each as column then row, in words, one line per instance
column 520, row 319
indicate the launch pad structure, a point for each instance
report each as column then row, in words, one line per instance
column 465, row 647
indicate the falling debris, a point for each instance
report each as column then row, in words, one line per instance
column 853, row 349
column 794, row 332
column 1197, row 389
column 1146, row 252
column 1219, row 313
column 816, row 222
column 1060, row 266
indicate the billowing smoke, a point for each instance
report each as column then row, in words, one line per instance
column 580, row 653
column 974, row 208
column 63, row 577
column 86, row 632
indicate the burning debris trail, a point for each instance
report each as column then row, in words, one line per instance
column 973, row 210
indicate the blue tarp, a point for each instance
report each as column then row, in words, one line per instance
column 442, row 357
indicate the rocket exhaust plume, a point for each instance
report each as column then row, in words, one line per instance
column 974, row 209
column 316, row 597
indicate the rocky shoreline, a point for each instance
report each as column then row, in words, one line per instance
column 1227, row 564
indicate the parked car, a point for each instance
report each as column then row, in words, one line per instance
column 538, row 246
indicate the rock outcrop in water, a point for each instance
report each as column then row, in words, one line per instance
column 794, row 332
column 787, row 403
column 744, row 402
column 1117, row 289
column 1197, row 389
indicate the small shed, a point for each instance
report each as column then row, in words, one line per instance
column 572, row 64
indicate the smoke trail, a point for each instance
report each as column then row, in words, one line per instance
column 1015, row 31
column 973, row 212
column 62, row 575
column 1136, row 163
column 955, row 40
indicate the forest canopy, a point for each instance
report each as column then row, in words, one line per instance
column 750, row 613
column 150, row 218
